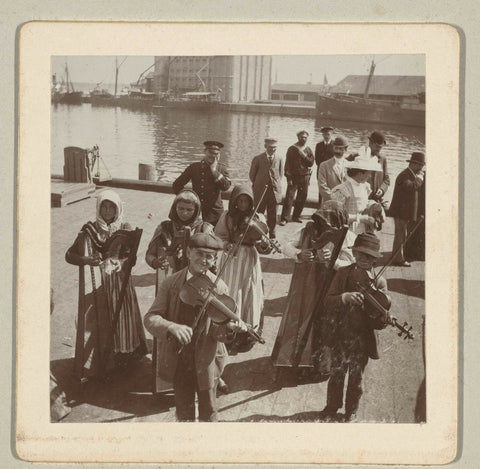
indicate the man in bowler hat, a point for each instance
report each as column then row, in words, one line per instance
column 324, row 151
column 266, row 169
column 209, row 179
column 404, row 206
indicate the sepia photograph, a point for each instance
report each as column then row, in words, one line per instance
column 308, row 175
column 243, row 239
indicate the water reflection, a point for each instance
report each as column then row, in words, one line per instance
column 172, row 138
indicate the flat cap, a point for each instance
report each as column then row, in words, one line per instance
column 205, row 241
column 378, row 138
column 326, row 129
column 213, row 144
column 270, row 141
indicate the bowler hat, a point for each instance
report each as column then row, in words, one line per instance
column 367, row 243
column 326, row 129
column 340, row 141
column 205, row 241
column 378, row 138
column 212, row 144
column 417, row 157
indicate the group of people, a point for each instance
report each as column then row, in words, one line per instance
column 209, row 289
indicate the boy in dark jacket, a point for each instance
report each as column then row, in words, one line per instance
column 352, row 330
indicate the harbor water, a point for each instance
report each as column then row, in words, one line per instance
column 171, row 139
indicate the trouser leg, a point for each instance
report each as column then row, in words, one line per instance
column 288, row 202
column 301, row 196
column 207, row 405
column 336, row 383
column 399, row 239
column 184, row 385
column 271, row 213
column 355, row 380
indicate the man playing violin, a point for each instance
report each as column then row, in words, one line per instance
column 352, row 324
column 188, row 353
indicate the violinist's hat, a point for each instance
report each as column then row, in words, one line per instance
column 367, row 243
column 206, row 241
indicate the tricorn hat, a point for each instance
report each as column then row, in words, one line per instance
column 206, row 241
column 340, row 141
column 417, row 157
column 367, row 243
column 378, row 138
column 213, row 144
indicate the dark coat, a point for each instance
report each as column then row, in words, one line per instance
column 323, row 151
column 347, row 323
column 405, row 196
column 380, row 179
column 205, row 186
column 297, row 162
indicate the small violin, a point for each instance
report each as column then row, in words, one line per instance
column 220, row 308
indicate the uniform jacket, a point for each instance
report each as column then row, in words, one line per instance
column 205, row 186
column 262, row 172
column 328, row 178
column 346, row 322
column 405, row 196
column 165, row 311
column 323, row 151
column 298, row 162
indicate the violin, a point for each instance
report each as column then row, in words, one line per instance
column 377, row 306
column 256, row 230
column 221, row 308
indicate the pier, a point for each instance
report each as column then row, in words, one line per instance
column 391, row 384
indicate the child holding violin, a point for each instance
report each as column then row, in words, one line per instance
column 189, row 343
column 243, row 273
column 353, row 321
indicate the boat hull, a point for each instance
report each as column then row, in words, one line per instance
column 362, row 110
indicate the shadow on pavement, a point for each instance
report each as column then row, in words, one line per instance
column 275, row 307
column 310, row 416
column 253, row 375
column 127, row 391
column 275, row 265
column 407, row 287
column 143, row 280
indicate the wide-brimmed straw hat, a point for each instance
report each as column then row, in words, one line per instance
column 364, row 163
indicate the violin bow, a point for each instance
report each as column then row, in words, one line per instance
column 394, row 253
column 224, row 264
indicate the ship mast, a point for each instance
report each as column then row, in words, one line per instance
column 369, row 80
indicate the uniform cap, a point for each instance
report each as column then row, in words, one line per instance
column 212, row 144
column 326, row 129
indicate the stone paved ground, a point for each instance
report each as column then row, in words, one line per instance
column 391, row 383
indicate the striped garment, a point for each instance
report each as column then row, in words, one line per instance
column 243, row 275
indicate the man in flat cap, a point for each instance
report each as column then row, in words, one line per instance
column 298, row 169
column 209, row 178
column 266, row 169
column 332, row 172
column 188, row 356
column 404, row 206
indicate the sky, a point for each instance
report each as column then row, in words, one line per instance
column 286, row 69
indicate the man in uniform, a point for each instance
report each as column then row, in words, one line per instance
column 298, row 169
column 209, row 178
column 266, row 169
